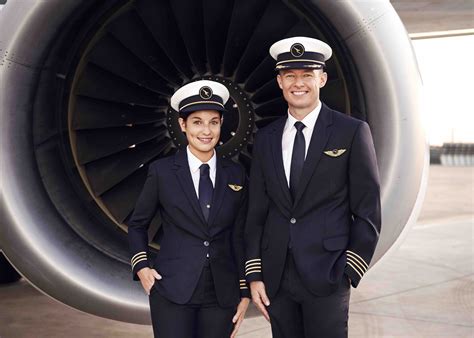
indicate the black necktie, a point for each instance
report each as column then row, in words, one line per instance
column 205, row 190
column 297, row 158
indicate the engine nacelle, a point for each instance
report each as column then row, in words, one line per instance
column 85, row 88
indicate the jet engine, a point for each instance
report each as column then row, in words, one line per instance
column 85, row 89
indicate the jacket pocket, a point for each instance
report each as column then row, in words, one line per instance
column 336, row 243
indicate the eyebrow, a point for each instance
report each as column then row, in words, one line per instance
column 196, row 118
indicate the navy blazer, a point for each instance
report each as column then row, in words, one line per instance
column 188, row 240
column 335, row 219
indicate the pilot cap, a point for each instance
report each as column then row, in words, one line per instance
column 300, row 52
column 199, row 95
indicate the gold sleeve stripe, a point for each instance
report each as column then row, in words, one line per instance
column 349, row 263
column 136, row 262
column 138, row 257
column 252, row 265
column 243, row 287
column 361, row 269
column 253, row 260
column 138, row 253
column 357, row 265
column 242, row 280
column 253, row 268
column 356, row 260
column 362, row 261
column 252, row 271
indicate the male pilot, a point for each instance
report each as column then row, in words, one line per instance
column 314, row 211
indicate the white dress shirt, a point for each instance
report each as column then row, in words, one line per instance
column 195, row 163
column 289, row 133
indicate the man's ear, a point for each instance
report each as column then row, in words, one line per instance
column 182, row 124
column 279, row 81
column 323, row 79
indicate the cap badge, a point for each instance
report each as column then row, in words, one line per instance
column 205, row 92
column 297, row 50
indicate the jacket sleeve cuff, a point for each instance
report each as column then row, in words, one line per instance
column 253, row 270
column 244, row 289
column 139, row 261
column 355, row 268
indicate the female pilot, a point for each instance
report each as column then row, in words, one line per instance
column 196, row 284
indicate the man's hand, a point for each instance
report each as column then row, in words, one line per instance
column 239, row 315
column 259, row 298
column 147, row 278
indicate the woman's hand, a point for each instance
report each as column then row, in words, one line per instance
column 239, row 315
column 147, row 278
column 260, row 298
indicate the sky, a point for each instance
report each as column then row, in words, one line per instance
column 446, row 66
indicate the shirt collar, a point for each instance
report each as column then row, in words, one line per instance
column 195, row 163
column 309, row 121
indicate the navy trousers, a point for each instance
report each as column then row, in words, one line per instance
column 201, row 317
column 295, row 312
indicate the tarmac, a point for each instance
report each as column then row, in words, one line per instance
column 423, row 287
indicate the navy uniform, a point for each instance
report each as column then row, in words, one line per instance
column 201, row 258
column 308, row 240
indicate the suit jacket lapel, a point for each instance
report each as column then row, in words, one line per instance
column 186, row 182
column 319, row 139
column 278, row 160
column 220, row 187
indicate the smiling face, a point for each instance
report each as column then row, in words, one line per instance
column 203, row 130
column 301, row 89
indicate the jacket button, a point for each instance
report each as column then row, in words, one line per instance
column 206, row 243
column 293, row 220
